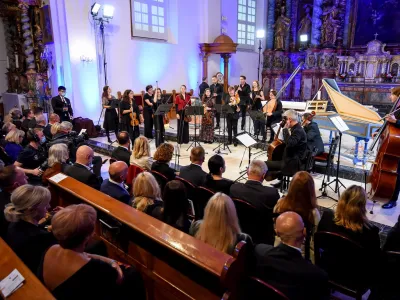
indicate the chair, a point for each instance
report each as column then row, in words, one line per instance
column 202, row 195
column 191, row 191
column 254, row 287
column 259, row 227
column 326, row 159
column 133, row 171
column 161, row 179
column 345, row 261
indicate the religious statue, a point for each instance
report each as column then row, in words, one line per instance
column 306, row 23
column 330, row 24
column 281, row 27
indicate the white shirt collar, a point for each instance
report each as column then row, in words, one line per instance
column 84, row 166
column 121, row 184
column 298, row 249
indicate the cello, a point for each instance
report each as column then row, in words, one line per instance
column 277, row 147
column 383, row 173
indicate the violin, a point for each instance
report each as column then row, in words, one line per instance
column 207, row 113
column 186, row 118
column 134, row 118
column 308, row 118
column 277, row 147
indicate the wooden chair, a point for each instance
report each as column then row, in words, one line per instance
column 253, row 288
column 259, row 227
column 345, row 261
column 202, row 195
column 133, row 171
column 161, row 179
column 191, row 191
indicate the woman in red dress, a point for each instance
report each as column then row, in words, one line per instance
column 182, row 101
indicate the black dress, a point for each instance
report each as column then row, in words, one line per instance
column 183, row 126
column 256, row 105
column 163, row 168
column 231, row 120
column 148, row 116
column 159, row 122
column 126, row 120
column 110, row 117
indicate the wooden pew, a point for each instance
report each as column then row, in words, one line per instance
column 173, row 264
column 32, row 288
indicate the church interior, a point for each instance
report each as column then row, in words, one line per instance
column 199, row 149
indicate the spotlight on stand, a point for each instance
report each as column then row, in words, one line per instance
column 260, row 35
column 94, row 9
column 108, row 12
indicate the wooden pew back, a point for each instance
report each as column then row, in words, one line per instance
column 173, row 264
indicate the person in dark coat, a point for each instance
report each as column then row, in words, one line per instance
column 111, row 119
column 37, row 112
column 217, row 91
column 129, row 107
column 28, row 116
column 283, row 266
column 202, row 87
column 54, row 118
column 243, row 91
column 314, row 139
column 193, row 172
column 62, row 105
column 114, row 186
column 122, row 152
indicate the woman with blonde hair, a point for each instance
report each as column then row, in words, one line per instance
column 55, row 128
column 147, row 195
column 220, row 226
column 13, row 143
column 141, row 153
column 57, row 161
column 350, row 219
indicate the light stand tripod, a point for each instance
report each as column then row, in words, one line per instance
column 220, row 110
column 195, row 111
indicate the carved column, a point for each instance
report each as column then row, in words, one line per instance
column 293, row 40
column 340, row 32
column 27, row 35
column 204, row 59
column 226, row 70
column 270, row 23
column 316, row 23
column 347, row 25
column 288, row 15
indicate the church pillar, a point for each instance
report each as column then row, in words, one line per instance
column 316, row 23
column 226, row 70
column 204, row 59
column 288, row 15
column 347, row 24
column 293, row 42
column 27, row 34
column 270, row 23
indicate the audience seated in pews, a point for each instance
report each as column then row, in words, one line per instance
column 141, row 153
column 220, row 226
column 28, row 116
column 40, row 122
column 54, row 118
column 284, row 267
column 80, row 170
column 122, row 152
column 29, row 205
column 302, row 200
column 62, row 131
column 162, row 157
column 193, row 172
column 147, row 195
column 13, row 143
column 71, row 273
column 5, row 129
column 37, row 113
column 176, row 206
column 11, row 177
column 57, row 161
column 55, row 128
column 350, row 219
column 114, row 186
column 215, row 181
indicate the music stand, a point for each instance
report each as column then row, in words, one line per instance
column 162, row 110
column 341, row 127
column 223, row 110
column 194, row 111
column 247, row 142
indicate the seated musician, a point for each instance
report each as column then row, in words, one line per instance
column 295, row 150
column 314, row 139
column 273, row 111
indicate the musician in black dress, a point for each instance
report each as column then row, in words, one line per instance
column 182, row 101
column 216, row 92
column 159, row 99
column 207, row 122
column 128, row 110
column 62, row 106
column 244, row 91
column 148, row 112
column 257, row 96
column 232, row 119
column 110, row 104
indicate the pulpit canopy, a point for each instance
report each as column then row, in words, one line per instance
column 223, row 44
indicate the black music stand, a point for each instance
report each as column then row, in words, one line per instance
column 162, row 110
column 247, row 142
column 341, row 127
column 223, row 110
column 194, row 111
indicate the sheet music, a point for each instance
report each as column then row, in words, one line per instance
column 263, row 103
column 275, row 128
column 246, row 140
column 339, row 123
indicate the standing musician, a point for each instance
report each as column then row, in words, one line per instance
column 182, row 100
column 207, row 122
column 257, row 96
column 216, row 92
column 273, row 110
column 295, row 139
column 232, row 119
column 111, row 121
column 314, row 139
column 62, row 106
column 159, row 120
column 148, row 112
column 202, row 87
column 244, row 95
column 130, row 114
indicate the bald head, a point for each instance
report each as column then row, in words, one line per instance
column 290, row 228
column 118, row 171
column 84, row 155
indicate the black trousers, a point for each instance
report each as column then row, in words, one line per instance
column 232, row 128
column 259, row 128
column 269, row 126
column 148, row 123
column 243, row 109
column 160, row 130
column 397, row 188
column 274, row 169
column 217, row 118
column 183, row 130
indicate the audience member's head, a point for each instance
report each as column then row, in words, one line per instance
column 123, row 139
column 55, row 128
column 164, row 153
column 58, row 153
column 145, row 190
column 12, row 177
column 216, row 165
column 65, row 127
column 73, row 226
column 292, row 117
column 62, row 90
column 197, row 155
column 37, row 111
column 257, row 170
column 40, row 120
column 15, row 136
column 290, row 228
column 176, row 203
column 7, row 127
column 28, row 203
column 84, row 155
column 220, row 225
column 54, row 118
column 141, row 147
column 118, row 171
column 28, row 114
column 300, row 197
column 351, row 212
column 34, row 136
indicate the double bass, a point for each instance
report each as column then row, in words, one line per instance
column 383, row 173
column 277, row 147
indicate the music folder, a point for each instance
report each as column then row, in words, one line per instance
column 163, row 109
